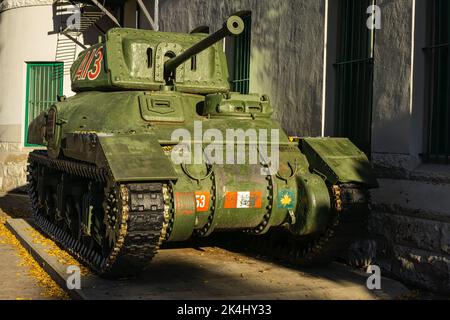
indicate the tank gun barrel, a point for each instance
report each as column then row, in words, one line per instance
column 233, row 26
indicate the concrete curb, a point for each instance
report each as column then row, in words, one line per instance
column 50, row 264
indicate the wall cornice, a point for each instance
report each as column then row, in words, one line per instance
column 12, row 4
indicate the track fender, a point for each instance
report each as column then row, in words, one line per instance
column 136, row 157
column 313, row 210
column 338, row 160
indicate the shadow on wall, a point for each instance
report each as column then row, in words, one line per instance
column 58, row 24
column 286, row 62
column 410, row 229
column 391, row 134
column 286, row 53
column 90, row 36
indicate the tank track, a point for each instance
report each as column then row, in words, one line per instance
column 142, row 226
column 347, row 225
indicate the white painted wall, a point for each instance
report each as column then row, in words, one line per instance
column 23, row 37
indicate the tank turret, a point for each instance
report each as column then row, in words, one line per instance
column 132, row 59
column 233, row 26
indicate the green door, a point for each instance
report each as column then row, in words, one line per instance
column 44, row 84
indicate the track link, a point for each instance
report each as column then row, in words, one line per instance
column 142, row 225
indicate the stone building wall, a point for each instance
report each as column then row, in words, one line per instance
column 13, row 163
column 411, row 214
column 411, row 209
column 411, row 222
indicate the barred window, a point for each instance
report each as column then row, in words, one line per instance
column 240, row 58
column 438, row 75
column 354, row 73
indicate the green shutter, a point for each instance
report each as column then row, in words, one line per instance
column 242, row 44
column 44, row 84
column 438, row 75
column 354, row 73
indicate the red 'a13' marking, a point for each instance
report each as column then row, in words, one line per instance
column 80, row 70
column 92, row 73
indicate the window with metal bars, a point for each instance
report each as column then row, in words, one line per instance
column 438, row 75
column 43, row 85
column 240, row 74
column 354, row 73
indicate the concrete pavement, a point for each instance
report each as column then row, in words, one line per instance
column 181, row 273
column 212, row 273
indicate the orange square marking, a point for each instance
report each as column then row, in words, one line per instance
column 202, row 201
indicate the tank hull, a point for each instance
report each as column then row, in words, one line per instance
column 201, row 196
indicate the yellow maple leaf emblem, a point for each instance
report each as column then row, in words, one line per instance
column 286, row 200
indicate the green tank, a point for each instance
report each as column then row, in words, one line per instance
column 155, row 148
